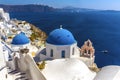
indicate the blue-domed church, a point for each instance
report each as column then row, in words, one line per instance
column 20, row 41
column 60, row 44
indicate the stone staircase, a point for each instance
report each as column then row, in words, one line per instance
column 17, row 75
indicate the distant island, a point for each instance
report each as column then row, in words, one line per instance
column 27, row 8
column 45, row 8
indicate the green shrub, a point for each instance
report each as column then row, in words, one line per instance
column 42, row 65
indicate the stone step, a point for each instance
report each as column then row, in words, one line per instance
column 17, row 75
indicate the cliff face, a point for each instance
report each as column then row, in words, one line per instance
column 27, row 8
column 40, row 8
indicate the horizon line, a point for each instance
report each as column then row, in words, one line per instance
column 59, row 7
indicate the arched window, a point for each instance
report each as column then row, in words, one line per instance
column 51, row 53
column 89, row 52
column 63, row 54
column 85, row 51
column 88, row 43
column 73, row 51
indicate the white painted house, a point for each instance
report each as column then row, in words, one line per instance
column 4, row 15
column 3, row 68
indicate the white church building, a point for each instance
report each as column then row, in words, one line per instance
column 20, row 41
column 60, row 44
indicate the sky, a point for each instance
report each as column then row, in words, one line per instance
column 91, row 4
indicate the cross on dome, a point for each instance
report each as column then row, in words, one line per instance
column 61, row 27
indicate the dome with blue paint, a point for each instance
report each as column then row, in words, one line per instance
column 61, row 37
column 20, row 39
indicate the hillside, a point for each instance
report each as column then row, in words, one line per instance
column 40, row 8
column 45, row 8
column 27, row 8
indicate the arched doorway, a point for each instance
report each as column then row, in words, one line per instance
column 63, row 54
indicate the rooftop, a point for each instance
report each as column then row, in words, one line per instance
column 20, row 39
column 61, row 37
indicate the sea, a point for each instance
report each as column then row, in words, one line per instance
column 101, row 27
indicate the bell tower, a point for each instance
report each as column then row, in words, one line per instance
column 87, row 50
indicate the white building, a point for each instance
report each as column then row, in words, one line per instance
column 3, row 69
column 111, row 72
column 20, row 41
column 67, row 69
column 3, row 15
column 60, row 44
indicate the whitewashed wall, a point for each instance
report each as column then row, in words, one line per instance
column 57, row 49
column 34, row 70
column 3, row 73
column 3, row 70
column 17, row 47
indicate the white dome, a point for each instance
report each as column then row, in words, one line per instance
column 109, row 73
column 67, row 69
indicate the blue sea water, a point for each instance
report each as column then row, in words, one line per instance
column 101, row 27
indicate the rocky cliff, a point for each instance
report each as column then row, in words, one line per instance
column 27, row 8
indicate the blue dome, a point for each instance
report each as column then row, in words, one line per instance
column 20, row 39
column 61, row 37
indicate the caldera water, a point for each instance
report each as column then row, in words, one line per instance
column 101, row 27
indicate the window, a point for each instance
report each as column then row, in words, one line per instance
column 63, row 54
column 89, row 52
column 51, row 53
column 73, row 51
column 85, row 51
column 88, row 43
